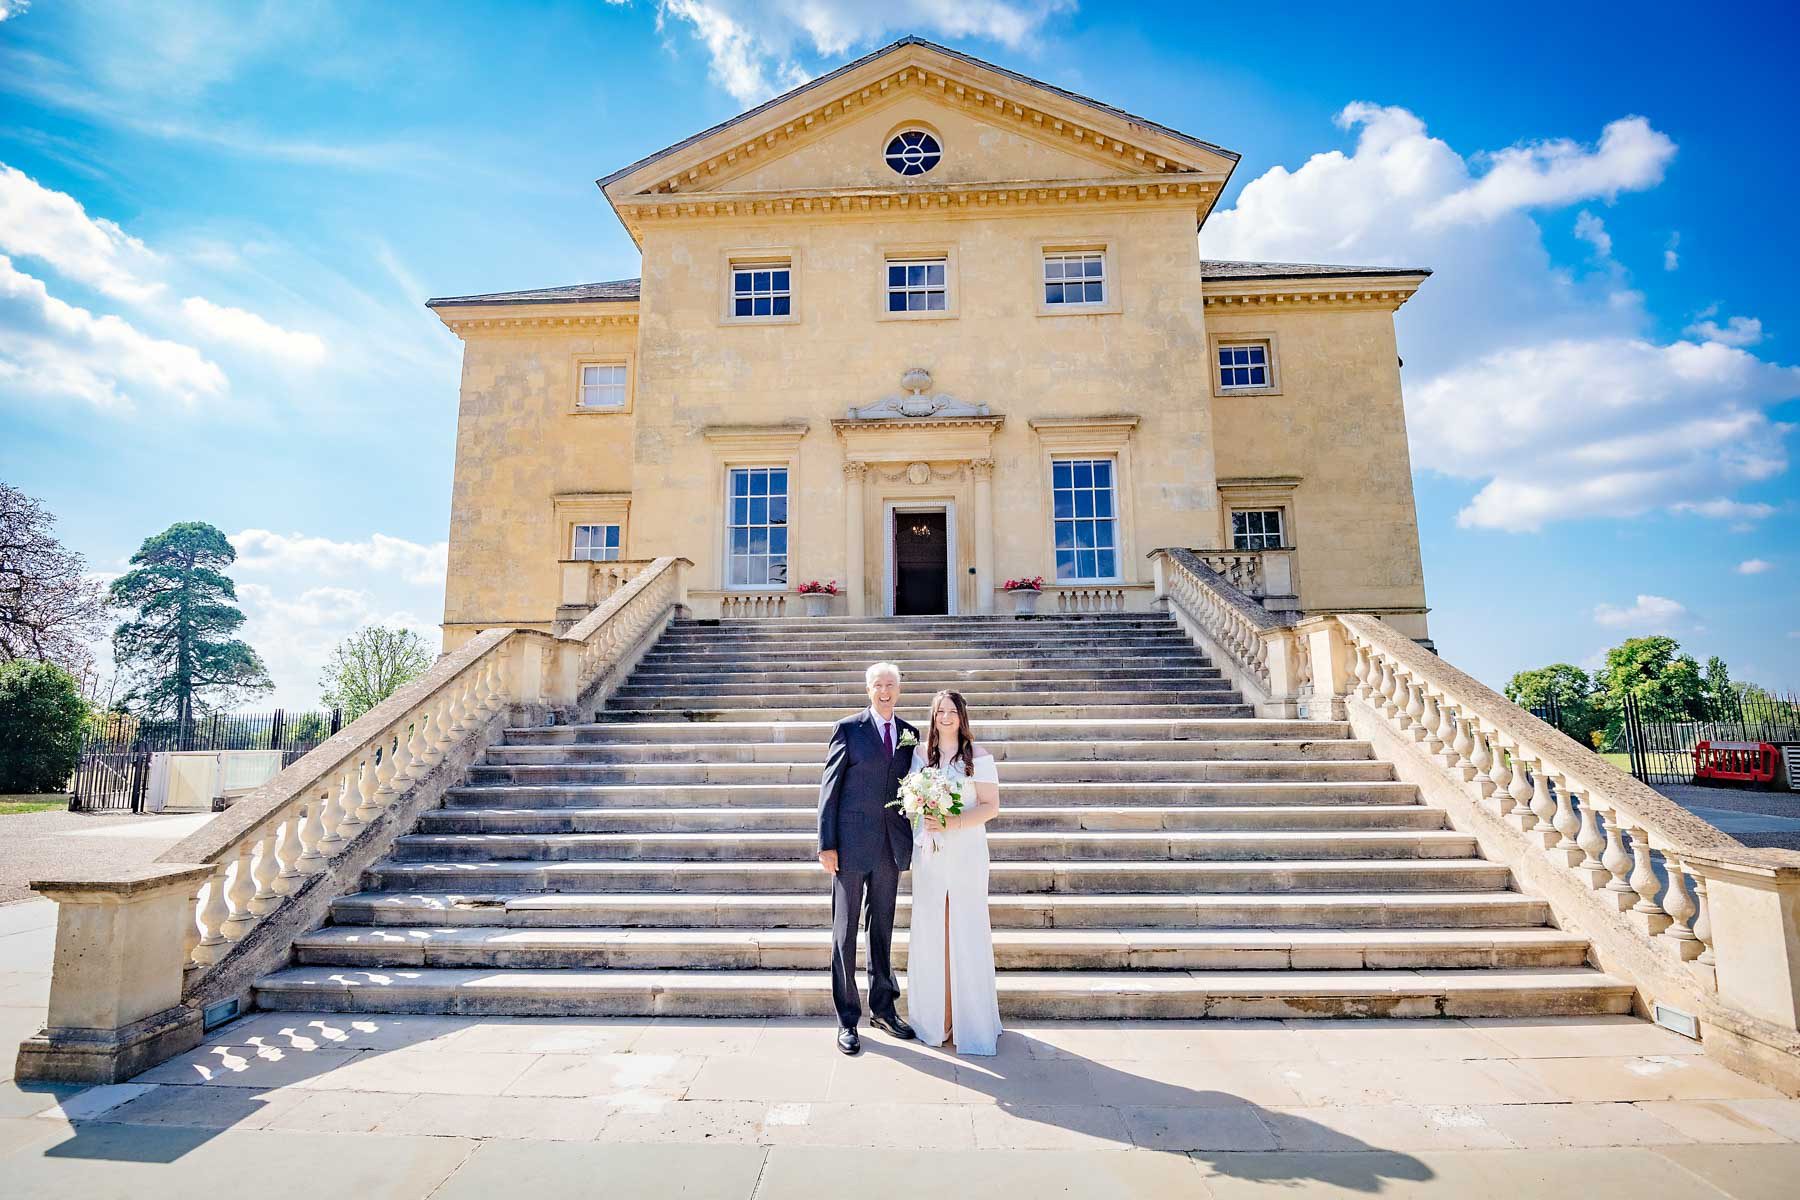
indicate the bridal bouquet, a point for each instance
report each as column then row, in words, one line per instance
column 929, row 794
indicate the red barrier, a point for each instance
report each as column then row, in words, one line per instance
column 1736, row 762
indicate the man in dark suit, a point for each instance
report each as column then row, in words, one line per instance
column 865, row 845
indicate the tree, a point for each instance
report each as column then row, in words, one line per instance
column 178, row 647
column 1665, row 682
column 1719, row 693
column 370, row 665
column 1571, row 690
column 49, row 609
column 41, row 715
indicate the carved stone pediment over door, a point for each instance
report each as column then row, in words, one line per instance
column 915, row 401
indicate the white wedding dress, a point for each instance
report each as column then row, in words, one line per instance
column 950, row 873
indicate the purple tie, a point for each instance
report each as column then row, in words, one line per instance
column 887, row 738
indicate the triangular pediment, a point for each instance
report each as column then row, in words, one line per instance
column 995, row 126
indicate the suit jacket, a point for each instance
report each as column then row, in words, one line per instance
column 860, row 778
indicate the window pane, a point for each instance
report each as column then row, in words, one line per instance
column 915, row 302
column 1084, row 535
column 778, row 482
column 781, row 306
column 1084, row 473
column 1060, row 473
column 935, row 301
column 1084, row 564
column 1094, row 291
column 1065, row 564
column 1094, row 267
column 779, row 280
column 759, row 483
column 740, row 281
column 740, row 541
column 1065, row 535
column 778, row 510
column 896, row 301
column 759, row 511
column 896, row 275
column 1240, row 522
column 1053, row 293
column 1106, row 564
column 778, row 540
column 934, row 274
column 1063, row 503
column 1102, row 473
column 915, row 276
column 1103, row 535
column 1053, row 268
column 1103, row 503
column 741, row 308
column 1084, row 504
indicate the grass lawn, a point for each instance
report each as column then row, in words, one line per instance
column 13, row 805
column 1621, row 761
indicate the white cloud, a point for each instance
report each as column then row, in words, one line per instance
column 252, row 332
column 13, row 8
column 53, row 349
column 1544, row 386
column 1738, row 331
column 52, row 227
column 1631, row 156
column 755, row 46
column 295, row 633
column 1722, row 509
column 1671, row 255
column 297, row 554
column 1656, row 612
column 1592, row 230
column 1754, row 566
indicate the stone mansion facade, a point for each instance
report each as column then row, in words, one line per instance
column 917, row 327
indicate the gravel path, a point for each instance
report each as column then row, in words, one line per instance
column 43, row 844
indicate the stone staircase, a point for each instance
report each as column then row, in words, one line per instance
column 1160, row 852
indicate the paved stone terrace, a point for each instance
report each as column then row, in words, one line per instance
column 293, row 1104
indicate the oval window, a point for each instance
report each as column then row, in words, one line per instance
column 913, row 152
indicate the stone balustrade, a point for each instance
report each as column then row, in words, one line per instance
column 587, row 583
column 1266, row 576
column 266, row 868
column 1699, row 923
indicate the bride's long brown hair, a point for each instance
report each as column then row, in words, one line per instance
column 965, row 742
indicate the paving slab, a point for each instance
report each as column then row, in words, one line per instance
column 1741, row 1172
column 146, row 1162
column 794, row 1173
column 550, row 1170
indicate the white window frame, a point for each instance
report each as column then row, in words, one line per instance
column 1260, row 536
column 1083, row 249
column 771, row 259
column 1112, row 521
column 909, row 263
column 1056, row 265
column 767, row 524
column 622, row 382
column 1218, row 342
column 612, row 544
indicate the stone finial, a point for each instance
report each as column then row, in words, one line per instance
column 915, row 401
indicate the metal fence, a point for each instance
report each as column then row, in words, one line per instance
column 113, row 772
column 1663, row 751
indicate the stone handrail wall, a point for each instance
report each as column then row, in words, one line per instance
column 234, row 893
column 1262, row 652
column 1243, row 569
column 588, row 582
column 1636, row 873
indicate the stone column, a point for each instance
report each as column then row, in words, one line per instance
column 854, row 564
column 122, row 945
column 983, row 469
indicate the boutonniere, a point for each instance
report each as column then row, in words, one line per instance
column 908, row 739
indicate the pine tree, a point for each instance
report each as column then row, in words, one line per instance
column 178, row 648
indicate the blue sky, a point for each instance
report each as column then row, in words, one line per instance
column 219, row 221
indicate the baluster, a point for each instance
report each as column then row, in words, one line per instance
column 1361, row 687
column 1464, row 746
column 1429, row 719
column 287, row 853
column 1617, row 862
column 190, row 933
column 390, row 772
column 1703, row 922
column 366, row 808
column 1680, row 906
column 265, row 871
column 1592, row 843
column 459, row 716
column 1521, row 789
column 1647, row 914
column 1483, row 760
column 418, row 747
column 1415, row 710
column 1535, row 809
column 1390, row 690
column 239, row 894
column 1446, row 733
column 1501, row 771
column 1566, row 823
column 401, row 778
column 312, row 834
column 213, row 914
column 340, row 816
column 441, row 720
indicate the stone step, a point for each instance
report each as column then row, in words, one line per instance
column 1018, row 818
column 997, row 634
column 764, row 729
column 785, row 699
column 1017, row 755
column 1005, row 878
column 1018, row 774
column 812, row 910
column 919, row 660
column 1123, row 847
column 780, row 795
column 1014, row 949
column 731, row 626
column 1024, row 995
column 802, row 672
column 702, row 710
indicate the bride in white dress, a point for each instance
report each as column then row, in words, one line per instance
column 950, row 952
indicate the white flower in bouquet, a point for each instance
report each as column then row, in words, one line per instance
column 929, row 794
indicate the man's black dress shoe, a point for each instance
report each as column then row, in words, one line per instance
column 894, row 1027
column 849, row 1042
